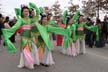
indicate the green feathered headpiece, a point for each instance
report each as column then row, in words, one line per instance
column 18, row 12
column 32, row 6
column 75, row 16
column 64, row 16
column 41, row 9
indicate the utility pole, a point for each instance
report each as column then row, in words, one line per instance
column 98, row 8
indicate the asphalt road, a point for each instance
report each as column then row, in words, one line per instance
column 95, row 60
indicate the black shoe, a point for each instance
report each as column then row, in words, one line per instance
column 44, row 65
column 4, row 44
column 90, row 46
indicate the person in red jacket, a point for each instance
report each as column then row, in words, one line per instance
column 59, row 37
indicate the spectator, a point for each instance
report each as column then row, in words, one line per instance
column 99, row 43
column 12, row 38
column 6, row 24
column 104, row 28
column 89, row 34
column 1, row 19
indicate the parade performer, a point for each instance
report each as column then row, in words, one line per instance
column 45, row 29
column 47, row 58
column 68, row 43
column 61, row 25
column 71, row 50
column 34, row 15
column 54, row 24
column 81, row 36
column 26, row 43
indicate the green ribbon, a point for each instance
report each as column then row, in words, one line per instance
column 75, row 16
column 64, row 17
column 44, row 35
column 18, row 12
column 33, row 6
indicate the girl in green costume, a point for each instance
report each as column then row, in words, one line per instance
column 47, row 55
column 26, row 43
column 44, row 40
column 76, row 35
column 35, row 19
column 34, row 33
column 69, row 46
column 71, row 50
column 81, row 36
column 44, row 28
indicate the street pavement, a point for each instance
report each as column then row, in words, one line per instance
column 95, row 60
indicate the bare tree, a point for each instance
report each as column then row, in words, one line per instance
column 56, row 10
column 92, row 7
column 0, row 7
column 72, row 7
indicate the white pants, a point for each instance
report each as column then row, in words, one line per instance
column 71, row 50
column 47, row 57
column 63, row 50
column 74, row 51
column 23, row 62
column 81, row 46
column 35, row 54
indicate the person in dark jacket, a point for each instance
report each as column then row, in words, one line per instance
column 105, row 27
column 100, row 43
column 1, row 26
column 12, row 38
column 89, row 34
column 6, row 25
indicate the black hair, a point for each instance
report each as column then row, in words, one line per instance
column 0, row 15
column 31, row 13
column 98, row 21
column 79, row 17
column 68, row 18
column 7, row 19
column 22, row 9
column 49, row 14
column 42, row 16
column 88, row 19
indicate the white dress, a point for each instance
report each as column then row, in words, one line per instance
column 47, row 57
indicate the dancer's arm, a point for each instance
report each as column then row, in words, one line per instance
column 7, row 33
column 64, row 16
column 32, row 5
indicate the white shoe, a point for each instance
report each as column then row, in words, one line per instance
column 20, row 66
column 31, row 67
column 21, row 63
column 63, row 51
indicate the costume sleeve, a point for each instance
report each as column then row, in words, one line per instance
column 64, row 32
column 66, row 42
column 18, row 12
column 42, row 30
column 75, row 16
column 7, row 33
column 41, row 9
column 57, row 30
column 93, row 29
column 52, row 23
column 67, row 38
column 73, row 28
column 64, row 16
column 32, row 5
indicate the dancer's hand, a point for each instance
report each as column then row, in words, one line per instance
column 33, row 24
column 32, row 5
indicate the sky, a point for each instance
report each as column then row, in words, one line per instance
column 8, row 6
